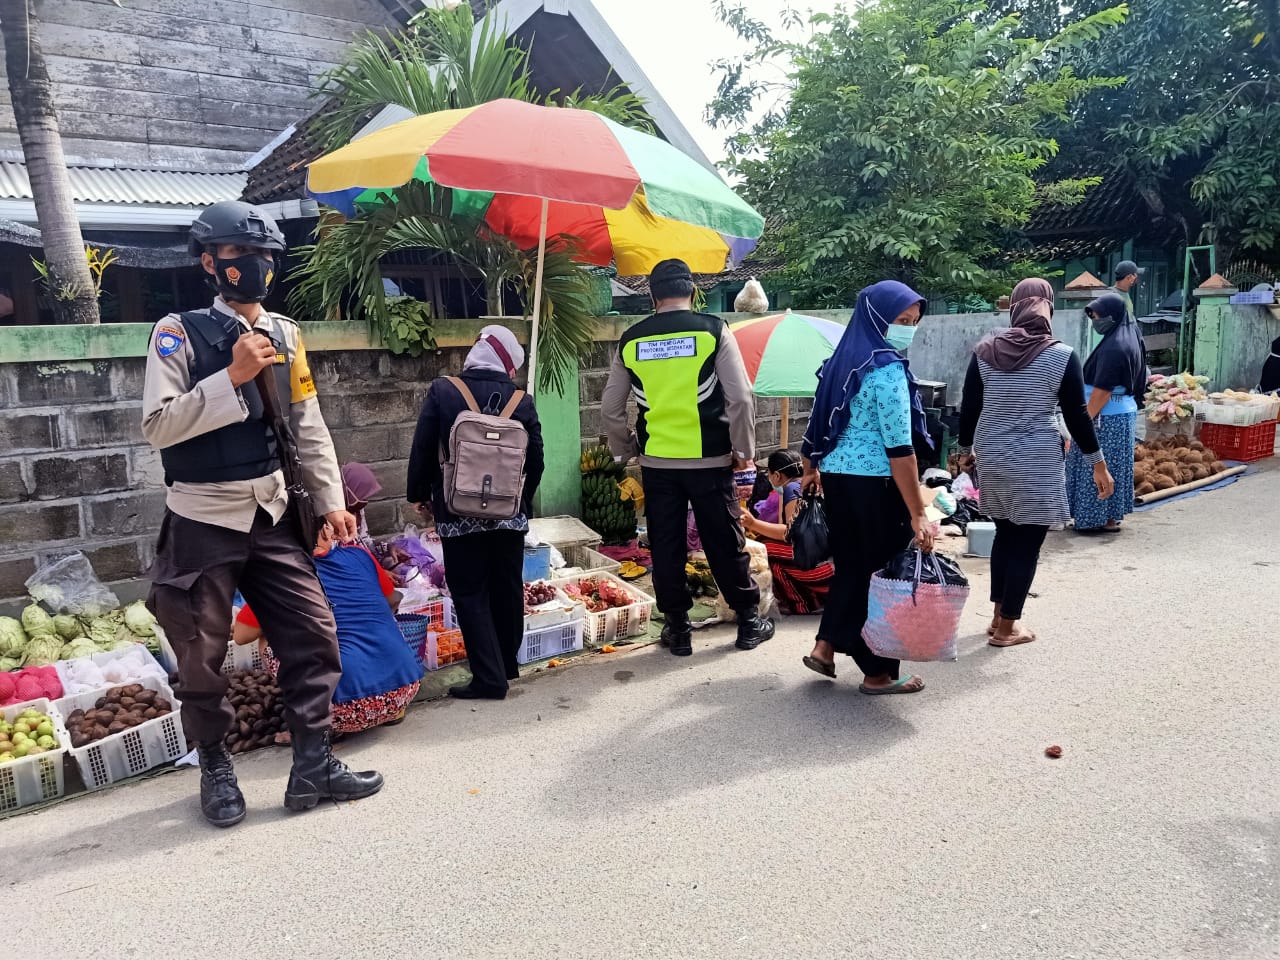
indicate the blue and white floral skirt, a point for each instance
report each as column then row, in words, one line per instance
column 1117, row 434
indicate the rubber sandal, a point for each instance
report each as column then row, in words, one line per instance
column 895, row 687
column 1012, row 642
column 820, row 666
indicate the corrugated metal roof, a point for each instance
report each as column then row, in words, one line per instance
column 119, row 185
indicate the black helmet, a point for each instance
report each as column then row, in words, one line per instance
column 233, row 221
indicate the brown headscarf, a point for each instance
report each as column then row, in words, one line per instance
column 1030, row 332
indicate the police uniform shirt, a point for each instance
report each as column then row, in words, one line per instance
column 174, row 410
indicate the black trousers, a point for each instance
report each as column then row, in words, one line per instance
column 1014, row 556
column 869, row 525
column 197, row 569
column 668, row 495
column 485, row 572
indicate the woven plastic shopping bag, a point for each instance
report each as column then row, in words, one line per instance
column 914, row 608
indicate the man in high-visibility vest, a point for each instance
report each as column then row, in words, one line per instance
column 696, row 425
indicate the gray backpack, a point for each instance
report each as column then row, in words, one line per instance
column 484, row 464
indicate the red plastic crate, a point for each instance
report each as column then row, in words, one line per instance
column 1245, row 444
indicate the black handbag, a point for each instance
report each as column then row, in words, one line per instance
column 808, row 535
column 301, row 507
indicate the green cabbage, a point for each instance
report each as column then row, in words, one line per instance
column 37, row 623
column 80, row 647
column 13, row 639
column 10, row 663
column 101, row 631
column 67, row 626
column 139, row 620
column 43, row 650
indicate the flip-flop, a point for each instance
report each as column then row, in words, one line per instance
column 896, row 687
column 820, row 666
column 1012, row 642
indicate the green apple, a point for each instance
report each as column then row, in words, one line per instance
column 20, row 737
column 20, row 750
column 47, row 742
column 45, row 729
column 6, row 757
column 22, row 727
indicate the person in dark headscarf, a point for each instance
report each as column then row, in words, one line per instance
column 1115, row 377
column 858, row 451
column 1017, row 380
column 1269, row 382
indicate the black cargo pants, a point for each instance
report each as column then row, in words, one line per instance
column 194, row 579
column 668, row 495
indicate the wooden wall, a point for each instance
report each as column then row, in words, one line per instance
column 187, row 84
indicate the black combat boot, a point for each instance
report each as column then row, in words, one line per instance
column 221, row 801
column 677, row 635
column 318, row 775
column 753, row 629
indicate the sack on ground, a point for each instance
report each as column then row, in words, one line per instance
column 808, row 535
column 916, row 616
column 484, row 466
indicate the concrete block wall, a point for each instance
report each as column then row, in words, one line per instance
column 76, row 473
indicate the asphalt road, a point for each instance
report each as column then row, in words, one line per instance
column 733, row 805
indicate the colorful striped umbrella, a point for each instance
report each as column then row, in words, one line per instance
column 530, row 171
column 782, row 354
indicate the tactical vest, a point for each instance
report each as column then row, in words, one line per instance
column 671, row 360
column 239, row 451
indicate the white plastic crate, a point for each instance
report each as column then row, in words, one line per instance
column 39, row 778
column 246, row 657
column 618, row 623
column 129, row 752
column 1236, row 413
column 586, row 558
column 438, row 611
column 555, row 612
column 103, row 659
column 551, row 641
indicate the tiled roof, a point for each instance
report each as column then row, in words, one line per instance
column 1112, row 207
column 120, row 185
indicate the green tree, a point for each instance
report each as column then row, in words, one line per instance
column 68, row 281
column 1196, row 124
column 904, row 141
column 443, row 60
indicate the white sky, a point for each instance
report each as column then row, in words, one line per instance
column 674, row 41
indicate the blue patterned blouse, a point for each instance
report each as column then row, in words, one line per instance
column 880, row 419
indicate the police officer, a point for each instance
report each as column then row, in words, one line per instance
column 696, row 424
column 226, row 522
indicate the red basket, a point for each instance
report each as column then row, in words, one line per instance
column 1245, row 444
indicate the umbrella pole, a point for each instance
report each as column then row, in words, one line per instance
column 537, row 298
column 784, row 431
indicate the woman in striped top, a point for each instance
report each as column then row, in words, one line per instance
column 1017, row 380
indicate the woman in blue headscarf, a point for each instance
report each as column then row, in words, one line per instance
column 1115, row 377
column 858, row 451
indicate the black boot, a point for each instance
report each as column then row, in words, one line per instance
column 677, row 635
column 318, row 775
column 753, row 629
column 221, row 801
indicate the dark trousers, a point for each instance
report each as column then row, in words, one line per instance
column 869, row 526
column 485, row 572
column 1014, row 556
column 668, row 495
column 198, row 567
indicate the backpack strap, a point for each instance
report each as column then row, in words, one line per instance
column 509, row 410
column 467, row 395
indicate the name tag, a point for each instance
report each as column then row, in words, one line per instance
column 667, row 349
column 281, row 358
column 493, row 436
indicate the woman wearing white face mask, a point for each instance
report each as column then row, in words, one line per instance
column 1017, row 380
column 858, row 450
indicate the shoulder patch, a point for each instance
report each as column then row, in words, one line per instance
column 169, row 339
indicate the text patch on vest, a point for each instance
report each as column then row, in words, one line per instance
column 667, row 349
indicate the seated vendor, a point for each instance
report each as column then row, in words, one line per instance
column 379, row 673
column 798, row 591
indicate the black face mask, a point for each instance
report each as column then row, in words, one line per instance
column 247, row 279
column 1103, row 325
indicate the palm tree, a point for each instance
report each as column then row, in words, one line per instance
column 444, row 60
column 70, row 284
